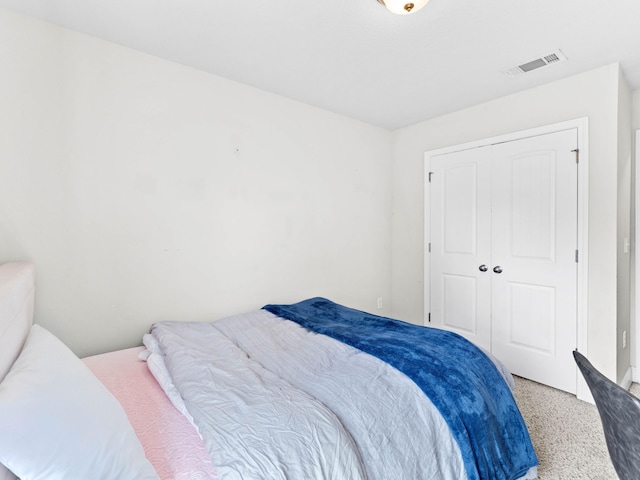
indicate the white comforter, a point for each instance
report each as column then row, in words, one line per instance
column 274, row 401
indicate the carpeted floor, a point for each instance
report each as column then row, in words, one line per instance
column 566, row 433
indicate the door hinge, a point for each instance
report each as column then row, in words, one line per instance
column 429, row 317
column 430, row 173
column 576, row 256
column 429, row 247
column 577, row 152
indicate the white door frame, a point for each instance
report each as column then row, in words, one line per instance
column 636, row 324
column 582, row 126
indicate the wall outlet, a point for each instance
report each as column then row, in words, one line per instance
column 379, row 302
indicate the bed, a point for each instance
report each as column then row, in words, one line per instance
column 312, row 390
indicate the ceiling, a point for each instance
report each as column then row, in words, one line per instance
column 355, row 58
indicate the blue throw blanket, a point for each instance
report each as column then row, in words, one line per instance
column 459, row 379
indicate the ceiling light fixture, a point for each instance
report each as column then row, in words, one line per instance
column 403, row 7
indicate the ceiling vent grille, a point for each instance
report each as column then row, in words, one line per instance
column 553, row 57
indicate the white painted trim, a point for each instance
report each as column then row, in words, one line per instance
column 582, row 127
column 426, row 273
column 627, row 379
column 579, row 123
column 582, row 390
column 636, row 367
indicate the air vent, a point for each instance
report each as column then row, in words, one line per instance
column 553, row 57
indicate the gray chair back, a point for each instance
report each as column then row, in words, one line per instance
column 620, row 414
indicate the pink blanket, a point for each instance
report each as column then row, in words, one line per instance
column 170, row 442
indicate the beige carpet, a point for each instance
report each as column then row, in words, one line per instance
column 566, row 433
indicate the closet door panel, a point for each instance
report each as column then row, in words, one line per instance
column 460, row 205
column 534, row 238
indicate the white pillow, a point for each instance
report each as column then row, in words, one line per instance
column 59, row 422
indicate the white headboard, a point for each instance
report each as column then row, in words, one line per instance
column 17, row 289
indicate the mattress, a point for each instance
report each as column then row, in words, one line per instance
column 170, row 442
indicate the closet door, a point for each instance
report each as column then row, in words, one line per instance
column 461, row 244
column 503, row 271
column 533, row 255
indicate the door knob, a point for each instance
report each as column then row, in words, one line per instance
column 497, row 269
column 483, row 268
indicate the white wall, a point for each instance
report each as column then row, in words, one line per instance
column 144, row 191
column 592, row 94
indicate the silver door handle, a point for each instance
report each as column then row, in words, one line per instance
column 483, row 268
column 497, row 269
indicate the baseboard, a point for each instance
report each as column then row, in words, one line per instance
column 635, row 374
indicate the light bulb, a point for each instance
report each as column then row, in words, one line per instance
column 403, row 7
